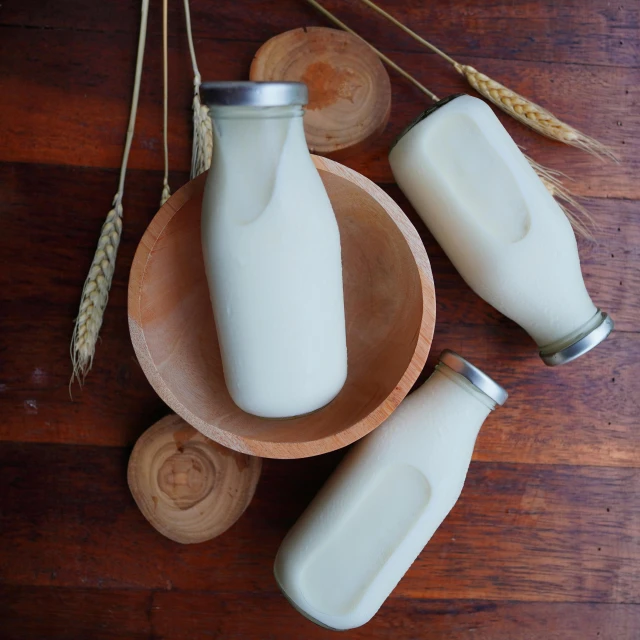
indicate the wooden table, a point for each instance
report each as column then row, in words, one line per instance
column 545, row 541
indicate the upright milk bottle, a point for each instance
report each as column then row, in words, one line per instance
column 498, row 224
column 372, row 518
column 271, row 249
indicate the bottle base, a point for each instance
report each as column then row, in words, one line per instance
column 583, row 343
column 302, row 611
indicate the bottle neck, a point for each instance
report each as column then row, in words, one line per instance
column 578, row 342
column 463, row 383
column 232, row 112
column 452, row 402
column 249, row 140
column 249, row 145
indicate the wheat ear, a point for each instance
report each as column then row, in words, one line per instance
column 202, row 147
column 166, row 190
column 531, row 114
column 95, row 293
column 517, row 106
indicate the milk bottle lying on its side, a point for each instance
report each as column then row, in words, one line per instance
column 374, row 515
column 498, row 224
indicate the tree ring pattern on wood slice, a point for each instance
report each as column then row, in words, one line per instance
column 349, row 88
column 190, row 488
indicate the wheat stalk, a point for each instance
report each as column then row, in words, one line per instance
column 95, row 292
column 570, row 206
column 166, row 190
column 517, row 106
column 549, row 177
column 580, row 219
column 381, row 55
column 202, row 148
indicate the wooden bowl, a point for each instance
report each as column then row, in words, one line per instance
column 389, row 305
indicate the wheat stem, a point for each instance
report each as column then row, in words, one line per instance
column 202, row 146
column 406, row 29
column 144, row 13
column 381, row 55
column 192, row 51
column 166, row 191
column 95, row 292
column 581, row 220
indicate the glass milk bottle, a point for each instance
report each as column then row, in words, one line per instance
column 372, row 518
column 271, row 249
column 498, row 224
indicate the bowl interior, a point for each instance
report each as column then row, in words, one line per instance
column 384, row 308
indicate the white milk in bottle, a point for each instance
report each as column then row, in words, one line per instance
column 271, row 248
column 372, row 518
column 498, row 224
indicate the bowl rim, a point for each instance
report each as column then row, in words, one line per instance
column 278, row 449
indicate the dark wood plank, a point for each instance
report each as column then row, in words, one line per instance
column 69, row 613
column 582, row 413
column 82, row 110
column 176, row 615
column 574, row 31
column 39, row 293
column 540, row 545
column 46, row 249
column 36, row 612
column 534, row 532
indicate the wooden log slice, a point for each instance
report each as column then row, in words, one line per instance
column 349, row 88
column 190, row 488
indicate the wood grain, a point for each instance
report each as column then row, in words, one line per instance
column 571, row 32
column 400, row 619
column 544, row 532
column 571, row 90
column 75, row 613
column 45, row 258
column 536, row 554
column 349, row 88
column 174, row 615
column 389, row 311
column 35, row 400
column 582, row 413
column 188, row 487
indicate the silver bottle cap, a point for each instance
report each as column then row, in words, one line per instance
column 475, row 376
column 254, row 94
column 582, row 344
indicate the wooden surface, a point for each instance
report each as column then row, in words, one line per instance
column 545, row 541
column 188, row 487
column 389, row 309
column 349, row 87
